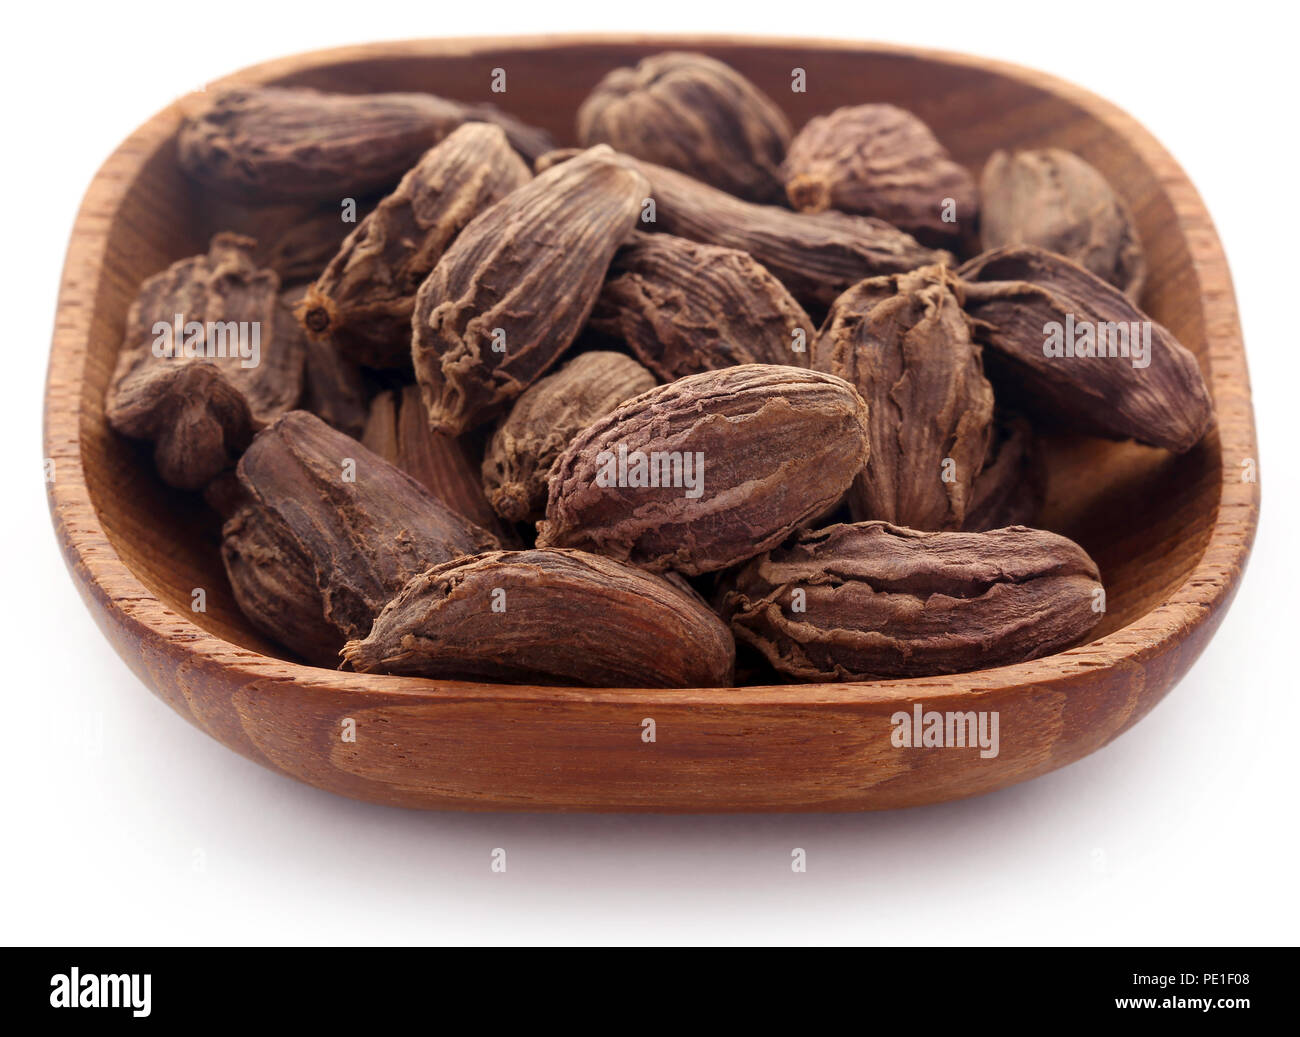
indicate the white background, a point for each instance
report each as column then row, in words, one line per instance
column 1183, row 831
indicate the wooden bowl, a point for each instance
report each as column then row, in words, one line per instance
column 1171, row 534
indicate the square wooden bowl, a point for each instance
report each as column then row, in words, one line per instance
column 1171, row 534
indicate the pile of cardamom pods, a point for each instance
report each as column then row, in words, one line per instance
column 476, row 407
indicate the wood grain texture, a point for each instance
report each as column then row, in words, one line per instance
column 1170, row 534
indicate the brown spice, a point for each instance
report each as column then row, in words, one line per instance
column 330, row 533
column 694, row 114
column 447, row 466
column 871, row 600
column 271, row 144
column 548, row 617
column 879, row 160
column 1027, row 301
column 684, row 307
column 334, row 388
column 515, row 288
column 300, row 253
column 815, row 255
column 709, row 470
column 190, row 390
column 904, row 343
column 545, row 419
column 366, row 295
column 1057, row 201
column 1012, row 486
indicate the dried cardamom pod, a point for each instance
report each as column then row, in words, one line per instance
column 1012, row 486
column 516, row 286
column 1057, row 201
column 529, row 142
column 545, row 419
column 294, row 144
column 300, row 253
column 447, row 466
column 879, row 160
column 548, row 617
column 331, row 532
column 224, row 494
column 871, row 600
column 209, row 357
column 1082, row 355
column 684, row 307
column 333, row 386
column 555, row 157
column 691, row 113
column 709, row 470
column 815, row 255
column 904, row 343
column 198, row 422
column 365, row 297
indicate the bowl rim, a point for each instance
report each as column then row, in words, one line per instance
column 106, row 581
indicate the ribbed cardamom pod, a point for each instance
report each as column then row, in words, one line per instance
column 904, row 343
column 447, row 466
column 871, row 600
column 1057, row 201
column 709, row 470
column 329, row 535
column 1080, row 354
column 1012, row 486
column 515, row 288
column 879, row 160
column 684, row 307
column 366, row 295
column 300, row 252
column 334, row 388
column 695, row 114
column 545, row 419
column 548, row 617
column 815, row 255
column 210, row 356
column 278, row 144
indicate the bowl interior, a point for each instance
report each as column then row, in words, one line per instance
column 1145, row 516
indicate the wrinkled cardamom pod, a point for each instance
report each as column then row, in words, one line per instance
column 555, row 157
column 815, row 255
column 333, row 386
column 904, row 343
column 879, row 160
column 447, row 466
column 210, row 355
column 694, row 114
column 684, row 307
column 1082, row 355
column 1012, row 486
column 300, row 253
column 366, row 295
column 330, row 534
column 548, row 617
column 1055, row 200
column 871, row 600
column 224, row 494
column 515, row 288
column 272, row 144
column 709, row 470
column 545, row 419
column 529, row 142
